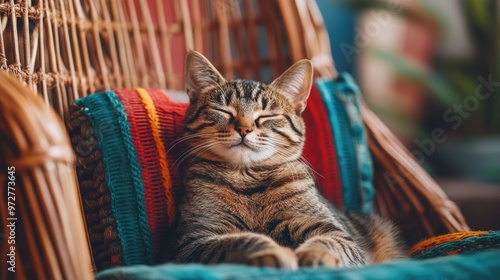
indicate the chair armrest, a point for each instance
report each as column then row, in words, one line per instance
column 37, row 163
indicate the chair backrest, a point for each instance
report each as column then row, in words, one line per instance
column 67, row 49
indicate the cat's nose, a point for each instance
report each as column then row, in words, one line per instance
column 243, row 130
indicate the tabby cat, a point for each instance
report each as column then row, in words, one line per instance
column 249, row 199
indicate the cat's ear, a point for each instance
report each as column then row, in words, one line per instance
column 296, row 83
column 199, row 73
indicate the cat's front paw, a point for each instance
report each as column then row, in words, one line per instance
column 314, row 257
column 280, row 257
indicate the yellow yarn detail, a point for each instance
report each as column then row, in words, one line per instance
column 154, row 121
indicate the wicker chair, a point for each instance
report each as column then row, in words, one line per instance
column 63, row 50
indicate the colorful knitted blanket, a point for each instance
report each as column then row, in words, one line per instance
column 340, row 99
column 129, row 164
column 482, row 261
column 128, row 177
column 456, row 243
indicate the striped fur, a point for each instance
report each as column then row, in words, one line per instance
column 249, row 199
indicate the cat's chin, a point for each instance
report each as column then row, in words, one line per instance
column 244, row 155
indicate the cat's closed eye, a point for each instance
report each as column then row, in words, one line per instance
column 226, row 113
column 264, row 118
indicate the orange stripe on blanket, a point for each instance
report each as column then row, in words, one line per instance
column 156, row 128
column 440, row 239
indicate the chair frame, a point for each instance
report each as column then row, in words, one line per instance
column 62, row 50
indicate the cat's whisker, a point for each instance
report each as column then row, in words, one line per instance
column 303, row 159
column 293, row 170
column 279, row 141
column 191, row 151
column 188, row 137
column 205, row 148
column 184, row 155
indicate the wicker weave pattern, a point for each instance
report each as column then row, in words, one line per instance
column 68, row 49
column 50, row 234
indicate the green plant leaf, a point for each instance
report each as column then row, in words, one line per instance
column 463, row 83
column 436, row 14
column 479, row 14
column 404, row 69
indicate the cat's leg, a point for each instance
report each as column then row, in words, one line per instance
column 327, row 244
column 244, row 248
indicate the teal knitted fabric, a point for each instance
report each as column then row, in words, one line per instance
column 349, row 94
column 109, row 120
column 342, row 99
column 482, row 265
column 343, row 143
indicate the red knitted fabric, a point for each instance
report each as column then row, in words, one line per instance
column 144, row 144
column 319, row 149
column 171, row 115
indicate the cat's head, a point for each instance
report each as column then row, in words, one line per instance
column 245, row 122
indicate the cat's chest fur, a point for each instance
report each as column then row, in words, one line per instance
column 256, row 195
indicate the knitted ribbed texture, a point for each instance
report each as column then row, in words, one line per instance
column 132, row 132
column 319, row 149
column 340, row 126
column 342, row 99
column 171, row 114
column 96, row 197
column 349, row 95
column 109, row 120
column 147, row 152
column 154, row 121
column 455, row 243
column 135, row 169
column 480, row 265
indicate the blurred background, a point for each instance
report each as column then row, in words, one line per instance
column 431, row 71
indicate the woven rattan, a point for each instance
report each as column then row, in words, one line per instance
column 49, row 234
column 65, row 49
